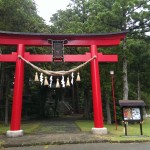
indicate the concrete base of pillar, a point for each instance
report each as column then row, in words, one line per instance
column 100, row 131
column 15, row 133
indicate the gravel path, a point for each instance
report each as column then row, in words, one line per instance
column 58, row 126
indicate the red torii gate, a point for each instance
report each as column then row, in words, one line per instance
column 93, row 41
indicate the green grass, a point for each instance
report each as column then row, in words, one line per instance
column 85, row 126
column 119, row 135
column 27, row 127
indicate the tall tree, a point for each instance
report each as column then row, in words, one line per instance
column 129, row 15
column 95, row 16
column 20, row 15
column 17, row 16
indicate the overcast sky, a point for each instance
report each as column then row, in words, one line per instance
column 48, row 7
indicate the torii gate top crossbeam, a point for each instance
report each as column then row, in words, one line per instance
column 41, row 39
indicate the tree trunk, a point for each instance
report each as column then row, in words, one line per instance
column 73, row 97
column 125, row 74
column 139, row 88
column 77, row 98
column 108, row 110
column 2, row 82
column 87, row 104
column 7, row 100
column 42, row 101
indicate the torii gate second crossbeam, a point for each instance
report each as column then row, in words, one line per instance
column 93, row 41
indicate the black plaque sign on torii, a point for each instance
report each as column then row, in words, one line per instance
column 58, row 49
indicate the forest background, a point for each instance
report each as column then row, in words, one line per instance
column 132, row 80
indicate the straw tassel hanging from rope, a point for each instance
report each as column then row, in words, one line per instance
column 57, row 83
column 36, row 77
column 68, row 82
column 78, row 77
column 46, row 81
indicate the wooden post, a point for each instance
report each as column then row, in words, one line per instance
column 125, row 127
column 141, row 131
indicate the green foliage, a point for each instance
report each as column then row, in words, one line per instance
column 88, row 16
column 29, row 128
column 133, row 129
column 20, row 15
column 94, row 16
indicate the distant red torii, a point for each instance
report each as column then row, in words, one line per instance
column 93, row 41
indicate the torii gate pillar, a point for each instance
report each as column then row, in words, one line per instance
column 17, row 99
column 96, row 89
